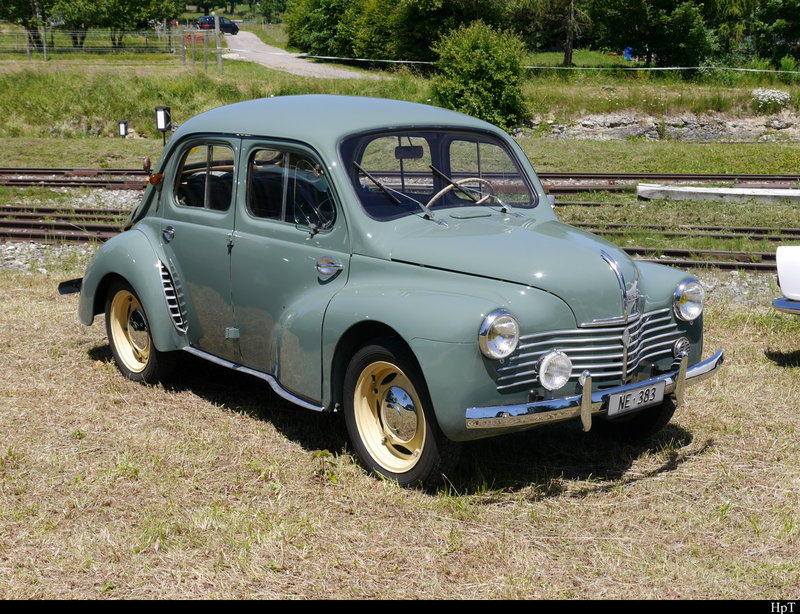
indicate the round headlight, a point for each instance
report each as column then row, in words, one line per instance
column 689, row 299
column 498, row 334
column 554, row 370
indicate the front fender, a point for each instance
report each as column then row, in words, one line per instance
column 130, row 256
column 437, row 314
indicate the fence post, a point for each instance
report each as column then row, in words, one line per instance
column 182, row 35
column 205, row 51
column 219, row 53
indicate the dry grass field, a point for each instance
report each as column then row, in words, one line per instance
column 212, row 487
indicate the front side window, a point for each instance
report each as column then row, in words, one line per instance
column 205, row 178
column 404, row 172
column 290, row 187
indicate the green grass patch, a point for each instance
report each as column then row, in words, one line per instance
column 642, row 156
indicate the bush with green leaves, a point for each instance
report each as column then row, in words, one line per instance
column 480, row 74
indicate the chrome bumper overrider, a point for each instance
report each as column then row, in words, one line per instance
column 787, row 305
column 588, row 402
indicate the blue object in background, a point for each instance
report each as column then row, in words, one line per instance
column 628, row 53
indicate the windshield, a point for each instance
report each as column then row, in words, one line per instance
column 403, row 172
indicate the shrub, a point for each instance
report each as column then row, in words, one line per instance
column 789, row 70
column 481, row 74
column 769, row 101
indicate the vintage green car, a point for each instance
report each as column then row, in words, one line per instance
column 397, row 262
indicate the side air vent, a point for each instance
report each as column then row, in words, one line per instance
column 174, row 298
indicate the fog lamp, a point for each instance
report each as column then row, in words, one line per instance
column 554, row 370
column 681, row 348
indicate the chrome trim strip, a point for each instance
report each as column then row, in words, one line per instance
column 787, row 305
column 553, row 410
column 174, row 298
column 600, row 349
column 274, row 384
column 620, row 278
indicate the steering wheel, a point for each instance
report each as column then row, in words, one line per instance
column 307, row 214
column 452, row 186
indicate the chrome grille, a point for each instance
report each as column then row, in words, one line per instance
column 174, row 297
column 599, row 350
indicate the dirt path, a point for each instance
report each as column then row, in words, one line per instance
column 247, row 46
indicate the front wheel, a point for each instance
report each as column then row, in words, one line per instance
column 128, row 331
column 390, row 418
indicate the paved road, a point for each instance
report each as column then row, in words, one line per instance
column 247, row 46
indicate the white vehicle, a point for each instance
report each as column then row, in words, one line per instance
column 788, row 258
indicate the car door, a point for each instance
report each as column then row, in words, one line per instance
column 290, row 256
column 197, row 223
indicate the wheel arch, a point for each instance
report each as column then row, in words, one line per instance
column 357, row 336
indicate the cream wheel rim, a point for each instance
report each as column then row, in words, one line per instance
column 389, row 417
column 131, row 336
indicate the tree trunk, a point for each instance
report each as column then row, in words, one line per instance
column 35, row 38
column 78, row 38
column 570, row 40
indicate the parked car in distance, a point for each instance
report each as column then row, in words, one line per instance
column 788, row 259
column 397, row 262
column 226, row 26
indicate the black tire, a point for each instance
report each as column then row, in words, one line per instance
column 639, row 426
column 128, row 331
column 390, row 419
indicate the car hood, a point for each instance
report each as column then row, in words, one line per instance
column 583, row 270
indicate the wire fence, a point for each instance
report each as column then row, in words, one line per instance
column 187, row 44
column 196, row 45
column 53, row 41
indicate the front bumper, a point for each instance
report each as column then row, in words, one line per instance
column 587, row 403
column 787, row 305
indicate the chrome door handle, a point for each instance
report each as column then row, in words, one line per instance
column 328, row 266
column 168, row 233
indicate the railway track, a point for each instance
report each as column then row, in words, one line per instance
column 58, row 225
column 554, row 183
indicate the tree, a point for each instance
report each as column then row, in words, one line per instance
column 30, row 14
column 208, row 5
column 776, row 30
column 731, row 21
column 121, row 16
column 271, row 10
column 549, row 24
column 667, row 32
column 78, row 16
column 318, row 26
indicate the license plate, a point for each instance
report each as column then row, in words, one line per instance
column 638, row 398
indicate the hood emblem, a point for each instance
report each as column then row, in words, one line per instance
column 630, row 292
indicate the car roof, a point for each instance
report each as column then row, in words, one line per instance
column 322, row 120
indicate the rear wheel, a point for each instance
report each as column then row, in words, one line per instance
column 390, row 418
column 129, row 336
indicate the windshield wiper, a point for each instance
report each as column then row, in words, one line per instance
column 427, row 213
column 382, row 187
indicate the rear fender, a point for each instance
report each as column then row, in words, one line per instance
column 130, row 256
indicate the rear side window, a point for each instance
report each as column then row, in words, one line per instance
column 289, row 187
column 205, row 179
